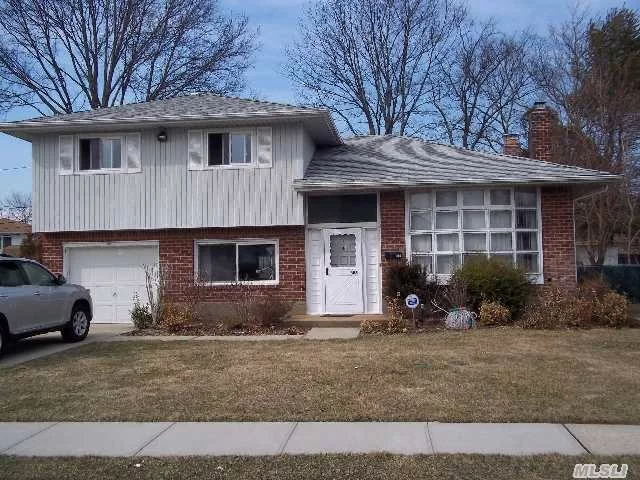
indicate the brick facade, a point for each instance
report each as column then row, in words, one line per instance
column 559, row 255
column 392, row 229
column 177, row 250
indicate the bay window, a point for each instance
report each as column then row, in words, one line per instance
column 448, row 227
column 223, row 262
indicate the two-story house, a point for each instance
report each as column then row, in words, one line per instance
column 225, row 190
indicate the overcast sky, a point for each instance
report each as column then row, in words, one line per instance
column 277, row 21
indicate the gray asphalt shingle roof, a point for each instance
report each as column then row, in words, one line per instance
column 198, row 105
column 379, row 161
column 200, row 109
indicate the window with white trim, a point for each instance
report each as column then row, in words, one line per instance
column 447, row 227
column 100, row 153
column 230, row 148
column 223, row 262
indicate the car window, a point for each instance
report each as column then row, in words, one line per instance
column 10, row 275
column 36, row 275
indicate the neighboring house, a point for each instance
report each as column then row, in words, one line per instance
column 226, row 190
column 12, row 234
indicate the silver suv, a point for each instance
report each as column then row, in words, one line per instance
column 33, row 301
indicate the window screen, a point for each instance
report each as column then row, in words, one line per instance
column 343, row 208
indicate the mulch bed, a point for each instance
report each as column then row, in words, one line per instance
column 221, row 329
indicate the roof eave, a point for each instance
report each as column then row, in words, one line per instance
column 26, row 129
column 311, row 186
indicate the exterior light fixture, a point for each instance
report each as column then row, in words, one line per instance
column 162, row 136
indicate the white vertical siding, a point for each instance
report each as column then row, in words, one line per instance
column 372, row 270
column 315, row 267
column 166, row 194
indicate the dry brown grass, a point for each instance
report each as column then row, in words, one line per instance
column 329, row 467
column 490, row 375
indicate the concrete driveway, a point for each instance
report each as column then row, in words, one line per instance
column 43, row 345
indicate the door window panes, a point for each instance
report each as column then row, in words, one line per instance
column 342, row 250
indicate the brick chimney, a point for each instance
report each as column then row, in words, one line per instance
column 511, row 144
column 541, row 121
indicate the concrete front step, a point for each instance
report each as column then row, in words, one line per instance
column 329, row 321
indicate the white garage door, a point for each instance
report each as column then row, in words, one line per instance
column 114, row 274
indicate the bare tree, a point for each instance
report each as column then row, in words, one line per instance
column 370, row 61
column 483, row 87
column 590, row 71
column 17, row 206
column 64, row 55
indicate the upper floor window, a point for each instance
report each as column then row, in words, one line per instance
column 236, row 148
column 229, row 148
column 100, row 153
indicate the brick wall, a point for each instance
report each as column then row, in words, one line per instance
column 542, row 121
column 176, row 249
column 558, row 237
column 392, row 229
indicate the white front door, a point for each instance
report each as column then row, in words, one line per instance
column 343, row 271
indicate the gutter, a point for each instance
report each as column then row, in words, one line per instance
column 302, row 186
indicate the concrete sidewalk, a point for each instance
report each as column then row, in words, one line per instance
column 274, row 438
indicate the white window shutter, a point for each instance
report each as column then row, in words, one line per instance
column 134, row 163
column 65, row 162
column 265, row 154
column 196, row 150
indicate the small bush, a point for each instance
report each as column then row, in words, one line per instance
column 556, row 308
column 175, row 318
column 494, row 314
column 269, row 310
column 140, row 314
column 611, row 310
column 494, row 280
column 394, row 323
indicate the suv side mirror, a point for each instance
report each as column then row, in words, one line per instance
column 61, row 280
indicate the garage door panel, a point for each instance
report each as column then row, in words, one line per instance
column 114, row 274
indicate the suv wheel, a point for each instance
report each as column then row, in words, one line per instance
column 78, row 327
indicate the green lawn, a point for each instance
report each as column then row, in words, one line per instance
column 486, row 375
column 370, row 467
